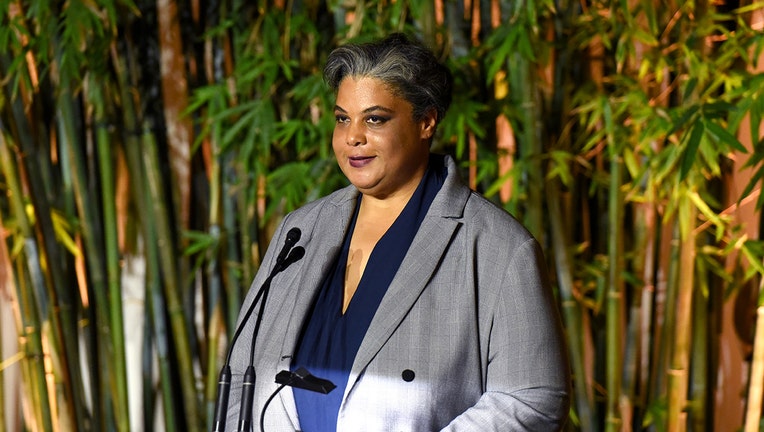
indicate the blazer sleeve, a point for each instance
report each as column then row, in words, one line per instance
column 527, row 377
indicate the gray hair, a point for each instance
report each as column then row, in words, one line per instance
column 407, row 68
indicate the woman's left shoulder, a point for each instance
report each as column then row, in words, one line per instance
column 485, row 215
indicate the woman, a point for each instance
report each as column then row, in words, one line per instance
column 426, row 305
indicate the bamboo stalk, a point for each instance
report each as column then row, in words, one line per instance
column 30, row 340
column 665, row 315
column 212, row 271
column 91, row 235
column 157, row 308
column 171, row 282
column 615, row 297
column 756, row 379
column 678, row 373
column 3, row 420
column 645, row 267
column 700, row 393
column 571, row 310
column 147, row 370
column 249, row 243
column 755, row 399
column 56, row 292
column 531, row 144
column 214, row 285
column 175, row 98
column 214, row 331
column 31, row 343
column 109, row 227
column 239, row 215
column 155, row 305
column 179, row 135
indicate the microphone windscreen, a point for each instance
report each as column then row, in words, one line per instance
column 293, row 236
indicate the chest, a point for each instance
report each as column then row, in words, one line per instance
column 368, row 231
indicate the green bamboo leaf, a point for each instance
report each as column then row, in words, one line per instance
column 644, row 37
column 247, row 122
column 594, row 111
column 607, row 114
column 631, row 163
column 754, row 259
column 525, row 46
column 206, row 96
column 560, row 167
column 708, row 213
column 753, row 7
column 289, row 185
column 711, row 259
column 622, row 50
column 286, row 69
column 721, row 134
column 499, row 54
column 199, row 241
column 718, row 109
column 756, row 179
column 495, row 187
column 687, row 114
column 689, row 87
column 689, row 154
column 62, row 227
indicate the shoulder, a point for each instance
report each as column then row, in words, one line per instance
column 479, row 216
column 314, row 209
column 487, row 216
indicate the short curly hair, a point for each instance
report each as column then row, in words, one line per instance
column 407, row 67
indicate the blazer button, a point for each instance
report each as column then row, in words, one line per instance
column 408, row 375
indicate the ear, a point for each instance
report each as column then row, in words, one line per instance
column 428, row 125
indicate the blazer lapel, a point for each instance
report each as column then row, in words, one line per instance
column 326, row 234
column 422, row 258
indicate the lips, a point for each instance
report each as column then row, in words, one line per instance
column 359, row 161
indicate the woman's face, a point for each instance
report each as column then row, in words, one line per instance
column 377, row 143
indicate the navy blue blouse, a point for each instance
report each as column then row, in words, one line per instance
column 330, row 339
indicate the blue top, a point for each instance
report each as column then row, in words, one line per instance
column 331, row 339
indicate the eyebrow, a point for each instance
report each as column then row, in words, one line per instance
column 367, row 110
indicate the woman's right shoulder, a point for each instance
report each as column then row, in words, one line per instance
column 312, row 209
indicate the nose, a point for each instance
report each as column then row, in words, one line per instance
column 354, row 135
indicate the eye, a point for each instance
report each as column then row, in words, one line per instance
column 376, row 120
column 340, row 118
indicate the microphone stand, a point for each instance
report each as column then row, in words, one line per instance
column 224, row 379
column 300, row 378
column 248, row 386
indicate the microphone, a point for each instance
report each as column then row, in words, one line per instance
column 295, row 255
column 300, row 378
column 288, row 256
column 292, row 237
column 303, row 379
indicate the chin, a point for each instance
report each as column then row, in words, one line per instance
column 362, row 183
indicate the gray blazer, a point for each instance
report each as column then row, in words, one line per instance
column 470, row 313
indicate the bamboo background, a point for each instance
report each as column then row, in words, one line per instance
column 147, row 150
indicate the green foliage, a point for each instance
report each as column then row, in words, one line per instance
column 660, row 89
